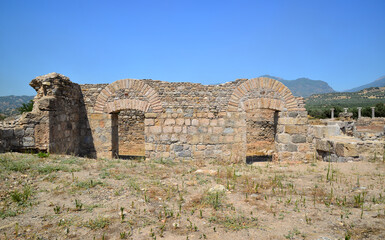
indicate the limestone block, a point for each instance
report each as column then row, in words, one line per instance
column 179, row 121
column 184, row 153
column 204, row 121
column 192, row 130
column 298, row 138
column 155, row 129
column 28, row 142
column 344, row 149
column 169, row 121
column 178, row 129
column 332, row 130
column 228, row 130
column 292, row 129
column 283, row 138
column 303, row 147
column 195, row 122
column 324, row 145
column 290, row 120
column 149, row 122
column 167, row 129
column 217, row 130
column 150, row 115
column 187, row 122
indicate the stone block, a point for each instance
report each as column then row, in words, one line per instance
column 19, row 132
column 179, row 121
column 324, row 145
column 292, row 129
column 184, row 153
column 202, row 129
column 7, row 133
column 290, row 120
column 192, row 130
column 150, row 115
column 178, row 148
column 178, row 129
column 228, row 130
column 204, row 122
column 165, row 137
column 28, row 142
column 169, row 121
column 155, row 129
column 194, row 122
column 167, row 129
column 283, row 138
column 298, row 138
column 344, row 149
column 149, row 122
column 332, row 130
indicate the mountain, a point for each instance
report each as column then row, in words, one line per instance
column 364, row 98
column 380, row 82
column 8, row 104
column 304, row 87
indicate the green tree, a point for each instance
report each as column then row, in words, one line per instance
column 26, row 107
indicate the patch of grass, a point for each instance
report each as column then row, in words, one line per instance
column 88, row 184
column 15, row 165
column 42, row 155
column 21, row 197
column 49, row 168
column 213, row 199
column 235, row 223
column 4, row 213
column 97, row 223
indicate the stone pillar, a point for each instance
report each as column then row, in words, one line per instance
column 359, row 112
column 373, row 111
column 332, row 113
column 345, row 110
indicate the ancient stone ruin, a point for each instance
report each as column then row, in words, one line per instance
column 244, row 120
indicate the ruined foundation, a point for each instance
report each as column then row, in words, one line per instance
column 250, row 119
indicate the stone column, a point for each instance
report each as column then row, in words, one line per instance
column 373, row 111
column 359, row 112
column 345, row 110
column 332, row 113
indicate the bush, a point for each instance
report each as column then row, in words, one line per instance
column 26, row 107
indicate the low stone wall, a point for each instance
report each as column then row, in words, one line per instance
column 333, row 143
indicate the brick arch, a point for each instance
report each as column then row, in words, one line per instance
column 285, row 99
column 152, row 102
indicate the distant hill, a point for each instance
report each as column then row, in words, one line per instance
column 304, row 87
column 380, row 82
column 363, row 98
column 8, row 104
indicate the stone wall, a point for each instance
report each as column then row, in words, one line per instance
column 57, row 123
column 159, row 119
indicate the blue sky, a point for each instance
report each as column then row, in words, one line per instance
column 340, row 42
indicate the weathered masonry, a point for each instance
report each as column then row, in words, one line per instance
column 249, row 119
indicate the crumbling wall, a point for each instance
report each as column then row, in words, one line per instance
column 57, row 123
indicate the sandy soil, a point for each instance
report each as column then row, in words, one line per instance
column 65, row 197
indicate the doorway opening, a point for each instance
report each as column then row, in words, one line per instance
column 130, row 134
column 261, row 128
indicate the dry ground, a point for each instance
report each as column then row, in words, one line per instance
column 65, row 197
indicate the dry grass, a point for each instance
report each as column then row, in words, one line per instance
column 61, row 197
